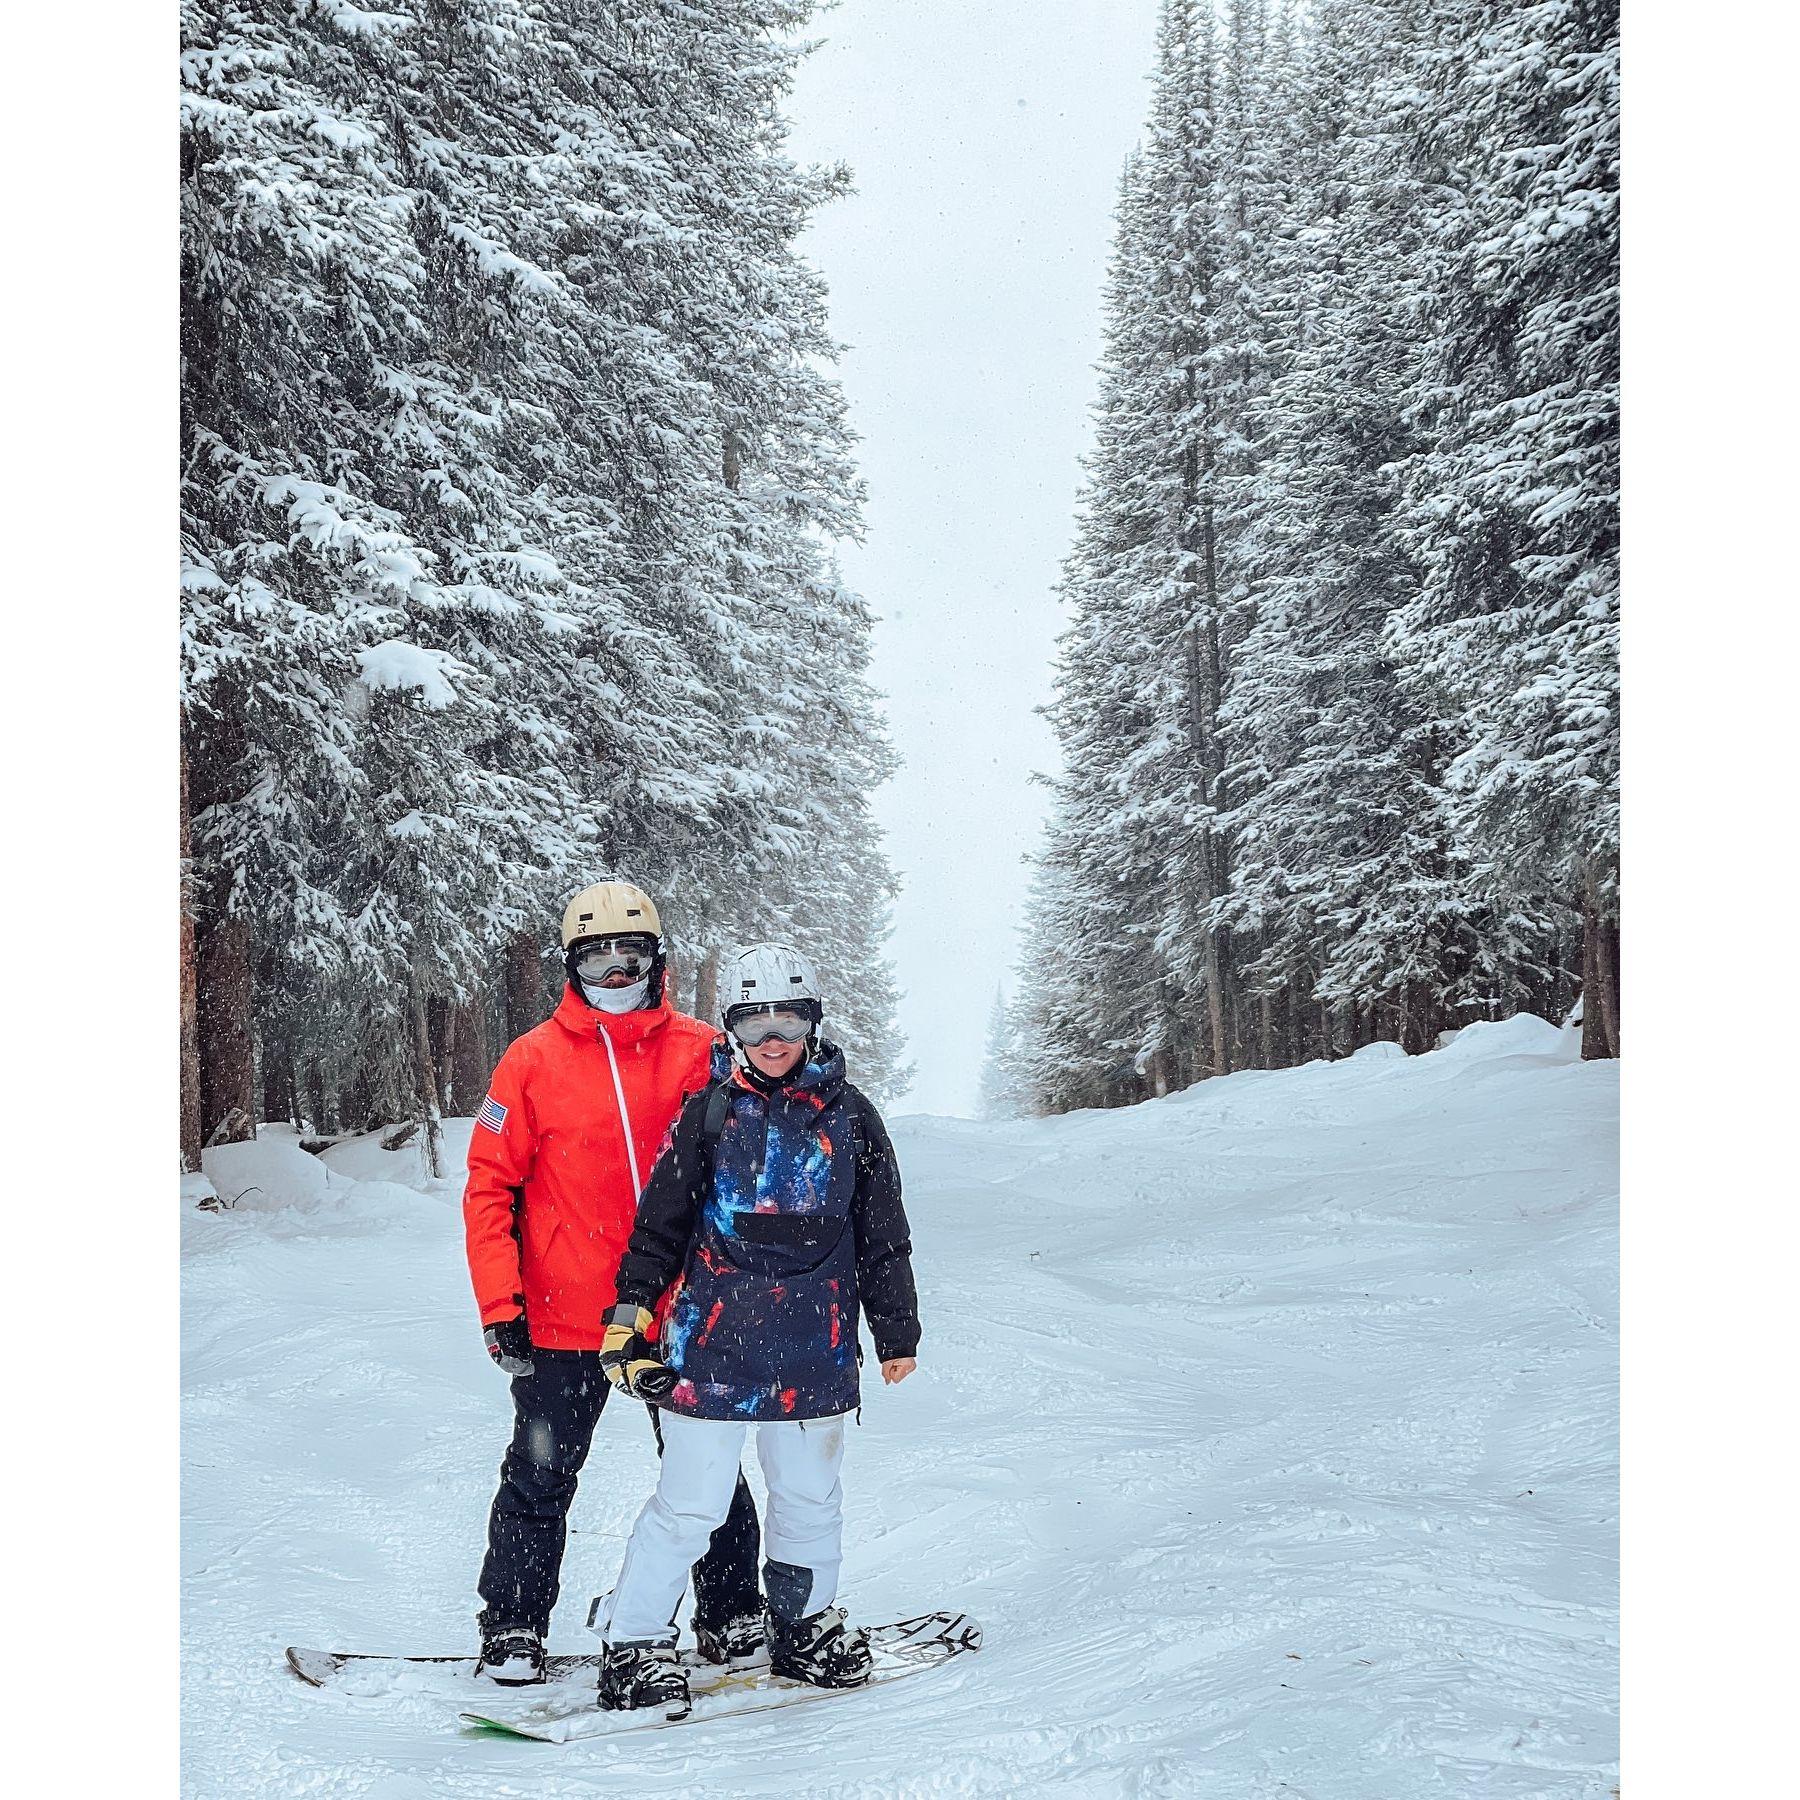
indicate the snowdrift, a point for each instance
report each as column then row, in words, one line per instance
column 1269, row 1428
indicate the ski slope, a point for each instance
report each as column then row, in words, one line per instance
column 1268, row 1428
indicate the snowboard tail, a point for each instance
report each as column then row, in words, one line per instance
column 349, row 1670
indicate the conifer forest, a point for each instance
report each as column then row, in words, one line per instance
column 1338, row 694
column 514, row 458
column 512, row 462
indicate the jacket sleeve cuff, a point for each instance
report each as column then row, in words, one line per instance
column 886, row 1348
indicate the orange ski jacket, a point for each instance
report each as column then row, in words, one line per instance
column 562, row 1146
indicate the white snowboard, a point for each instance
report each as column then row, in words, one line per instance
column 570, row 1712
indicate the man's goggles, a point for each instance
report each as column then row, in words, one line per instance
column 631, row 954
column 753, row 1028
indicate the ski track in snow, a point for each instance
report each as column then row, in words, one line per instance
column 1269, row 1429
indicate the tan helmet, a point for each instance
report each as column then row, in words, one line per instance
column 606, row 910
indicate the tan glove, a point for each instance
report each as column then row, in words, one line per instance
column 628, row 1357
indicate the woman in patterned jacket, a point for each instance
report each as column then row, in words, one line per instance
column 775, row 1212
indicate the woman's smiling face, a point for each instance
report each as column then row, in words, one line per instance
column 775, row 1058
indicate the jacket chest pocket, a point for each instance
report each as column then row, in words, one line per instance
column 785, row 1244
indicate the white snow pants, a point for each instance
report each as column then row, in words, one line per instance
column 803, row 1525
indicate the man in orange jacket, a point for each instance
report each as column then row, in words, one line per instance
column 563, row 1144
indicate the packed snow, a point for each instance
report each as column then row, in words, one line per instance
column 1268, row 1428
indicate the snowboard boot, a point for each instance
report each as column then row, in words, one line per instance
column 735, row 1643
column 512, row 1655
column 820, row 1649
column 633, row 1675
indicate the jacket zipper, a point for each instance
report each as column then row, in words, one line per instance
column 637, row 1187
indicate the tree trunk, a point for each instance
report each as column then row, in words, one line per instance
column 470, row 1063
column 224, row 984
column 355, row 1107
column 1281, row 1011
column 426, row 1083
column 706, row 987
column 1417, row 1027
column 439, row 1023
column 192, row 1133
column 1599, row 979
column 524, row 985
column 277, row 1085
column 1593, row 1027
column 225, row 1025
column 270, row 1072
column 315, row 1097
column 1606, row 934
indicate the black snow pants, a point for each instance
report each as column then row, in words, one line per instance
column 555, row 1410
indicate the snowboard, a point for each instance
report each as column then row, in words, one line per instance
column 357, row 1672
column 906, row 1647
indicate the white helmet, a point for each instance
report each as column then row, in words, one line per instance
column 769, row 975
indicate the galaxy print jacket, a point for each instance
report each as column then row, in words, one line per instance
column 774, row 1242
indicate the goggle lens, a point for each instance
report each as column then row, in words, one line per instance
column 601, row 956
column 752, row 1029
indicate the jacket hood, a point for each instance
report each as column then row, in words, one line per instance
column 575, row 1015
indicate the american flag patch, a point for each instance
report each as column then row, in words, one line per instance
column 492, row 1114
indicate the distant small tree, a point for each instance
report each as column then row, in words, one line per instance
column 1001, row 1095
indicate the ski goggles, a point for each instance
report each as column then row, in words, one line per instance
column 629, row 955
column 753, row 1028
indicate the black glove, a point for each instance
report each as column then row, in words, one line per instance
column 629, row 1358
column 509, row 1344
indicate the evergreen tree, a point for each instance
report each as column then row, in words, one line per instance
column 1336, row 698
column 511, row 461
column 1121, row 716
column 1513, row 500
column 1000, row 1096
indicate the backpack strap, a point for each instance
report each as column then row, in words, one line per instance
column 859, row 1131
column 712, row 1121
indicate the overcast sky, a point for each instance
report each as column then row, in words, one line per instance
column 986, row 138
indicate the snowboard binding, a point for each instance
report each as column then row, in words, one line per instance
column 734, row 1644
column 820, row 1649
column 512, row 1656
column 635, row 1675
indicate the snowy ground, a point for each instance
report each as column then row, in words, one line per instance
column 1269, row 1429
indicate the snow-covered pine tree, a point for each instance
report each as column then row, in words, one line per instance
column 402, row 528
column 999, row 1096
column 1195, row 440
column 296, row 262
column 1097, row 1034
column 1335, row 700
column 1347, row 857
column 509, row 452
column 1247, row 324
column 763, row 826
column 1154, row 589
column 1513, row 502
